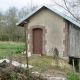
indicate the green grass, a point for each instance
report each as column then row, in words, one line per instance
column 7, row 48
column 73, row 76
column 11, row 46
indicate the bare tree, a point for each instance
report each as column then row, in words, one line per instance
column 2, row 26
column 10, row 20
column 71, row 8
column 24, row 11
column 13, row 32
column 8, row 29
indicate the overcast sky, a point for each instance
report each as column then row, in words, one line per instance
column 6, row 4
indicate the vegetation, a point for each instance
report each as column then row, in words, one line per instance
column 46, row 64
column 73, row 76
column 8, row 29
column 13, row 76
column 12, row 73
column 69, row 7
column 42, row 64
column 10, row 48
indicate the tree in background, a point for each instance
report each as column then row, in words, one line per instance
column 2, row 26
column 8, row 29
column 69, row 7
column 10, row 20
column 24, row 11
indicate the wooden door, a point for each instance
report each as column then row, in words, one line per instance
column 37, row 41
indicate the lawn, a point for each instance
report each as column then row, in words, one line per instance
column 8, row 48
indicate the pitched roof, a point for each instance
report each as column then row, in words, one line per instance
column 53, row 10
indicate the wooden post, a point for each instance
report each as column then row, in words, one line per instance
column 73, row 65
column 26, row 44
column 79, row 65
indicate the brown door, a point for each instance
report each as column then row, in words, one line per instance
column 37, row 41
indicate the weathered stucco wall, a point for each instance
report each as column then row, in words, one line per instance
column 54, row 25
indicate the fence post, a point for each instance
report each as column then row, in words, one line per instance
column 26, row 44
column 79, row 65
column 73, row 65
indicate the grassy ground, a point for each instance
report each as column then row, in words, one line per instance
column 42, row 64
column 7, row 48
column 47, row 64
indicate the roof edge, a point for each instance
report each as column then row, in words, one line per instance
column 53, row 10
column 23, row 19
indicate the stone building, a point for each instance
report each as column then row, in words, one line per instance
column 46, row 28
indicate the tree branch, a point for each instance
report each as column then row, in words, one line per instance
column 70, row 11
column 67, row 9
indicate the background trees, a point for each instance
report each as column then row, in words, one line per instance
column 8, row 29
column 10, row 20
column 69, row 7
column 2, row 26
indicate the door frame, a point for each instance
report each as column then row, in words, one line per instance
column 43, row 38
